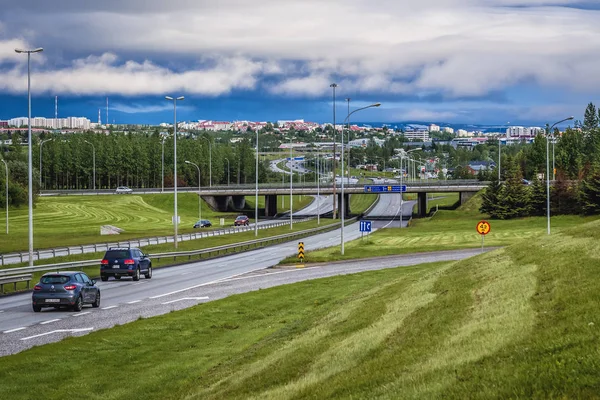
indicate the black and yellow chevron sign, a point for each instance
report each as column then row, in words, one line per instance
column 301, row 250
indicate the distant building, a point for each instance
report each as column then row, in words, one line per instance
column 3, row 124
column 523, row 132
column 448, row 130
column 463, row 133
column 417, row 135
column 434, row 128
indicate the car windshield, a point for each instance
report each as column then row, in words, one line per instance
column 117, row 254
column 240, row 217
column 55, row 279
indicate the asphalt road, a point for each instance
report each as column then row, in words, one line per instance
column 183, row 286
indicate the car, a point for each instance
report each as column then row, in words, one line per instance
column 119, row 262
column 203, row 223
column 241, row 220
column 123, row 189
column 59, row 289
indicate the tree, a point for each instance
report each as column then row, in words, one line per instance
column 590, row 119
column 538, row 200
column 490, row 197
column 514, row 197
column 589, row 194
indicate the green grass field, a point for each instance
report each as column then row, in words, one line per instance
column 520, row 322
column 72, row 220
column 447, row 230
column 360, row 202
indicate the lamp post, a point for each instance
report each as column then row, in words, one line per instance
column 500, row 155
column 162, row 174
column 334, row 86
column 548, row 168
column 402, row 154
column 318, row 192
column 41, row 144
column 94, row 160
column 209, row 161
column 199, row 190
column 256, row 191
column 342, row 205
column 6, row 167
column 175, row 218
column 291, row 187
column 227, row 170
column 30, row 173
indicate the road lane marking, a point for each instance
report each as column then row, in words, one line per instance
column 81, row 313
column 188, row 288
column 185, row 273
column 14, row 330
column 267, row 274
column 133, row 302
column 186, row 298
column 50, row 321
column 1, row 311
column 58, row 331
column 109, row 307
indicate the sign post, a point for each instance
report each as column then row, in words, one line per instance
column 483, row 228
column 301, row 251
column 364, row 226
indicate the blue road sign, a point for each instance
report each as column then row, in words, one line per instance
column 385, row 189
column 365, row 226
column 295, row 158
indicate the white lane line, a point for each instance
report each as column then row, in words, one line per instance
column 109, row 307
column 185, row 273
column 188, row 288
column 14, row 330
column 140, row 283
column 81, row 313
column 58, row 331
column 133, row 302
column 268, row 274
column 1, row 311
column 185, row 298
column 50, row 321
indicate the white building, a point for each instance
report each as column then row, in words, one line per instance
column 434, row 128
column 448, row 130
column 53, row 123
column 464, row 133
column 417, row 135
column 520, row 131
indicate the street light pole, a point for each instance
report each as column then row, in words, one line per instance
column 209, row 161
column 6, row 199
column 30, row 168
column 41, row 144
column 175, row 219
column 199, row 191
column 291, row 187
column 318, row 192
column 334, row 86
column 548, row 168
column 256, row 191
column 227, row 170
column 162, row 187
column 94, row 161
column 342, row 201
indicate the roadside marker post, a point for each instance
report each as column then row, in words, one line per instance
column 483, row 228
column 301, row 251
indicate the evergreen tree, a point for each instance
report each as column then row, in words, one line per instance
column 538, row 197
column 590, row 193
column 490, row 198
column 590, row 119
column 564, row 196
column 514, row 196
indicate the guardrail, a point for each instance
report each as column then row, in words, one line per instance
column 95, row 247
column 217, row 251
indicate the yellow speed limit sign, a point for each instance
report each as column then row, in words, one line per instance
column 483, row 227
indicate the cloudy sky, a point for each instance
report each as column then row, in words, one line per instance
column 461, row 61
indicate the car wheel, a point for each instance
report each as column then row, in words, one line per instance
column 104, row 278
column 37, row 308
column 96, row 303
column 136, row 277
column 78, row 304
column 148, row 274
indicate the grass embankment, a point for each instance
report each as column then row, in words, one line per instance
column 360, row 202
column 73, row 220
column 520, row 322
column 188, row 245
column 300, row 201
column 447, row 230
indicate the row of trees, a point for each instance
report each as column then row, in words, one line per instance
column 575, row 188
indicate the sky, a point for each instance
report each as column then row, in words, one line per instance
column 456, row 61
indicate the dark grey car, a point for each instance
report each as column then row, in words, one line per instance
column 69, row 288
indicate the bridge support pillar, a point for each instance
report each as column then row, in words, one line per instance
column 465, row 196
column 270, row 205
column 346, row 205
column 422, row 204
column 225, row 203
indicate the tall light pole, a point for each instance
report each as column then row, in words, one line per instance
column 41, row 144
column 162, row 187
column 199, row 190
column 318, row 192
column 548, row 168
column 334, row 86
column 227, row 170
column 209, row 161
column 175, row 218
column 402, row 154
column 291, row 186
column 6, row 167
column 94, row 160
column 256, row 191
column 30, row 177
column 500, row 154
column 342, row 201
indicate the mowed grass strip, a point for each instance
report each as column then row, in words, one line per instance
column 188, row 245
column 519, row 322
column 359, row 203
column 447, row 230
column 74, row 220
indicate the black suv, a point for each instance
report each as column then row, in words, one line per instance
column 120, row 262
